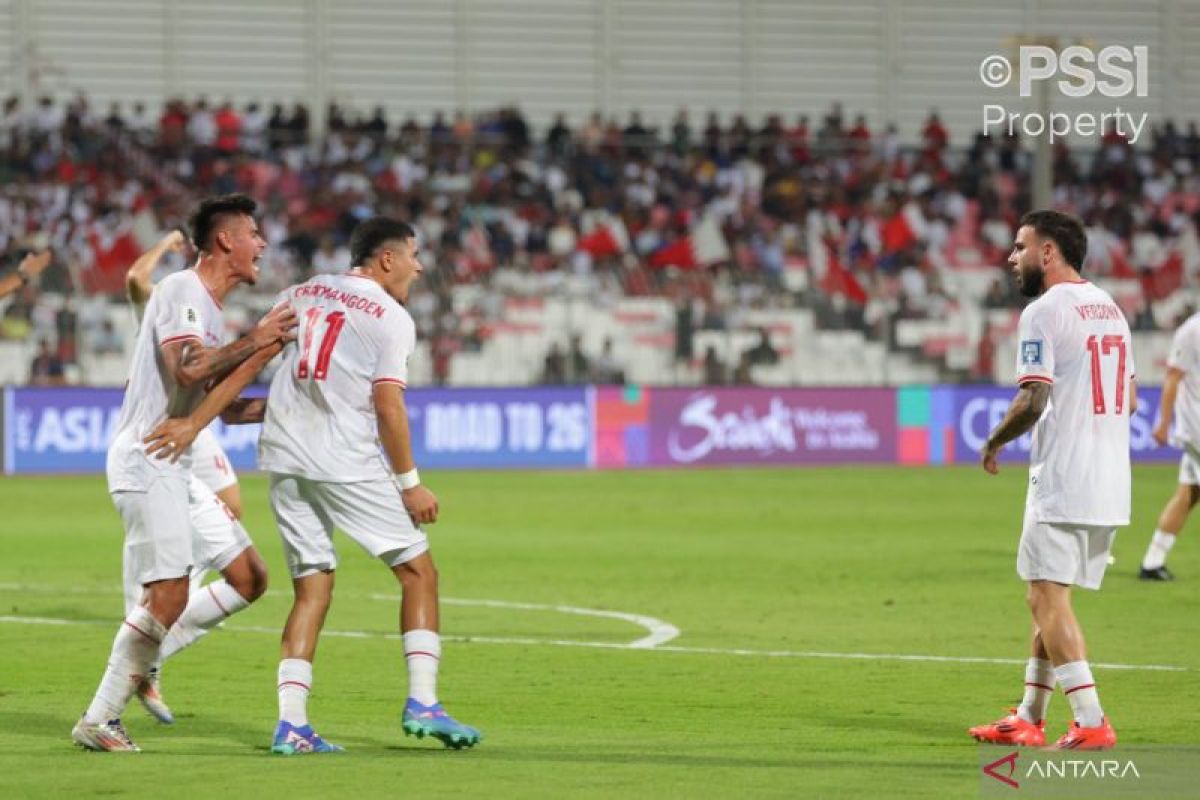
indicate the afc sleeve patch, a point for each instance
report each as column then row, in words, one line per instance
column 1031, row 353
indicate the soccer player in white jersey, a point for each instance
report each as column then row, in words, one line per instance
column 209, row 461
column 175, row 357
column 1076, row 375
column 1181, row 403
column 220, row 543
column 337, row 398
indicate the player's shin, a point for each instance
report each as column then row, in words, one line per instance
column 422, row 653
column 293, row 685
column 1080, row 689
column 1039, row 688
column 134, row 651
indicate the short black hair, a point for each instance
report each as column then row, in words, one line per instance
column 369, row 235
column 212, row 212
column 1064, row 230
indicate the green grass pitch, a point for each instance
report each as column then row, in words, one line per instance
column 794, row 563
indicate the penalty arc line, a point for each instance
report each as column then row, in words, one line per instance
column 814, row 654
column 659, row 632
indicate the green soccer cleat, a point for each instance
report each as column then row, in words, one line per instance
column 421, row 721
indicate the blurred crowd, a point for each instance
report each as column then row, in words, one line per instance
column 718, row 214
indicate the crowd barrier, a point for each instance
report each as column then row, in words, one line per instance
column 67, row 430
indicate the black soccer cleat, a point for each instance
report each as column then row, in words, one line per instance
column 1158, row 574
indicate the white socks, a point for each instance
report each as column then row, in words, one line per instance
column 1156, row 554
column 1039, row 688
column 422, row 649
column 1080, row 689
column 134, row 651
column 295, row 682
column 206, row 607
column 422, row 652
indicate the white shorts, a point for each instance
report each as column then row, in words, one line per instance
column 158, row 529
column 216, row 538
column 210, row 464
column 371, row 513
column 1064, row 553
column 217, row 535
column 1189, row 470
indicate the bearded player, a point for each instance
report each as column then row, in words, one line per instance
column 1076, row 375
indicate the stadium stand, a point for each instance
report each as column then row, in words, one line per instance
column 866, row 262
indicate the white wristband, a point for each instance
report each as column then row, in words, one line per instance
column 409, row 480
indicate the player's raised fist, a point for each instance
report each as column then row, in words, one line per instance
column 175, row 241
column 34, row 264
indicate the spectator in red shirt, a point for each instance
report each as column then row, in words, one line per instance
column 229, row 129
column 935, row 135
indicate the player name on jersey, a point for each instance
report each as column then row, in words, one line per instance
column 1099, row 311
column 351, row 301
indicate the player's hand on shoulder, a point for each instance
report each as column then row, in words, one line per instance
column 421, row 503
column 277, row 325
column 171, row 438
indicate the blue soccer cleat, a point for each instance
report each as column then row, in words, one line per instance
column 291, row 740
column 422, row 721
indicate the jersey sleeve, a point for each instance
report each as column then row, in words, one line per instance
column 1183, row 351
column 177, row 313
column 398, row 345
column 1035, row 346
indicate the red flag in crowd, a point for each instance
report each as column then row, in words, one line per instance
column 839, row 279
column 609, row 238
column 705, row 245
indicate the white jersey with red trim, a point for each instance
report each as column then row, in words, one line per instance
column 1075, row 338
column 320, row 421
column 180, row 308
column 1185, row 357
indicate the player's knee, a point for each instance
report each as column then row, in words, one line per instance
column 166, row 600
column 1193, row 495
column 255, row 582
column 418, row 572
column 247, row 575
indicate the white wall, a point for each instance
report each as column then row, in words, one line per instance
column 890, row 59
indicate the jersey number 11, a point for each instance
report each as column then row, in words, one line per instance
column 333, row 326
column 1104, row 346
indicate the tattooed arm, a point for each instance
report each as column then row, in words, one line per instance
column 1023, row 413
column 191, row 363
column 174, row 436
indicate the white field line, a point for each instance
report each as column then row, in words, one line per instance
column 658, row 631
column 629, row 646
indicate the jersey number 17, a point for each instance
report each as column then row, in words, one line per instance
column 1104, row 346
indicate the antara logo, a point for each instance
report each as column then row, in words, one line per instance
column 1008, row 764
